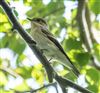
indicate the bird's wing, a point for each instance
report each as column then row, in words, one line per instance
column 52, row 38
column 46, row 32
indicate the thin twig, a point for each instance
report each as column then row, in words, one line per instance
column 9, row 71
column 36, row 90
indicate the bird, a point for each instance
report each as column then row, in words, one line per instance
column 49, row 45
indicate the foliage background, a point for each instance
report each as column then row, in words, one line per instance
column 19, row 68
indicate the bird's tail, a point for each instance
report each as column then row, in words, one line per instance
column 73, row 68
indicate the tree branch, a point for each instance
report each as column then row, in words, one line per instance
column 83, row 19
column 80, row 20
column 32, row 44
column 93, row 40
column 27, row 38
column 88, row 20
column 65, row 83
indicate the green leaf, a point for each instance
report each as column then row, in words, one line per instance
column 25, row 72
column 4, row 41
column 93, row 76
column 49, row 9
column 94, row 6
column 15, row 12
column 71, row 43
column 93, row 88
column 17, row 45
column 97, row 51
column 71, row 76
column 22, row 87
column 3, row 79
column 6, row 91
column 20, row 59
column 82, row 58
column 38, row 73
column 3, row 18
column 12, row 41
column 5, row 25
column 37, row 6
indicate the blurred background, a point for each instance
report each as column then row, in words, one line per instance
column 75, row 24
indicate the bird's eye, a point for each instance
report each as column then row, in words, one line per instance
column 38, row 20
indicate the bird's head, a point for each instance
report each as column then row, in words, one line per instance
column 38, row 22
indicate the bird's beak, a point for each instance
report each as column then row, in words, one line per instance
column 29, row 19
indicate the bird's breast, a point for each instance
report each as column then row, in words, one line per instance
column 41, row 39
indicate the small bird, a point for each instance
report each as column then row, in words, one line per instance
column 48, row 44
